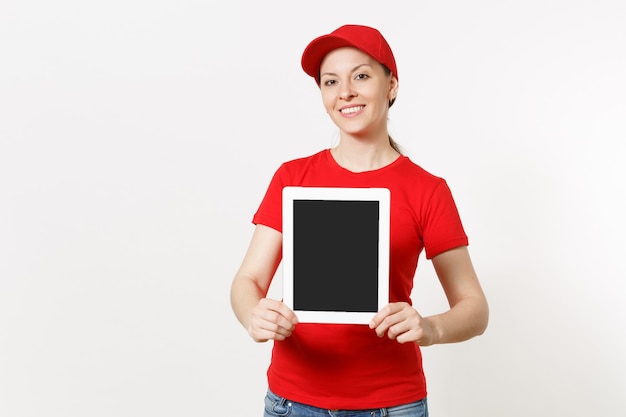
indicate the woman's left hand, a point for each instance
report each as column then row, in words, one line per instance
column 400, row 321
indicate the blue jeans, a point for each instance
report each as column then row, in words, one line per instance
column 276, row 406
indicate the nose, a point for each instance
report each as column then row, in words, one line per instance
column 347, row 92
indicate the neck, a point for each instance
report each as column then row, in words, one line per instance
column 359, row 156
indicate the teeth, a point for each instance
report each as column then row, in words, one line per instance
column 352, row 109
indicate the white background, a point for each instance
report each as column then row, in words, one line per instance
column 137, row 138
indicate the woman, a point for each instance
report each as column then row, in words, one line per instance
column 377, row 369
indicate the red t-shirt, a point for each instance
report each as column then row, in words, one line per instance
column 339, row 366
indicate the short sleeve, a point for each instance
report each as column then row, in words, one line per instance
column 442, row 228
column 269, row 212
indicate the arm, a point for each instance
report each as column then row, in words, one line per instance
column 264, row 319
column 467, row 317
column 469, row 312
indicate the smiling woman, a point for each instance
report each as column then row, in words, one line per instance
column 356, row 92
column 375, row 368
column 378, row 54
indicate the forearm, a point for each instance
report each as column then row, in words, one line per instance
column 252, row 280
column 466, row 319
column 244, row 296
column 263, row 318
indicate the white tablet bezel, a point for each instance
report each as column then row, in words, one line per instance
column 382, row 196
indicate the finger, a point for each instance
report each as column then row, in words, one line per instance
column 387, row 317
column 269, row 321
column 263, row 330
column 275, row 321
column 410, row 329
column 287, row 313
column 280, row 308
column 387, row 324
column 402, row 332
column 379, row 317
column 406, row 337
column 275, row 332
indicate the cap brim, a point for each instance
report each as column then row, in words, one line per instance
column 315, row 52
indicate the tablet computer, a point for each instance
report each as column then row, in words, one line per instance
column 335, row 253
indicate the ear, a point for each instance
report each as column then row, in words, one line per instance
column 393, row 88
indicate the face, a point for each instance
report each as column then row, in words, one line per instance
column 356, row 92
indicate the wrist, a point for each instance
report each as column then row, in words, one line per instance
column 434, row 330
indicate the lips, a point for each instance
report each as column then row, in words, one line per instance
column 352, row 110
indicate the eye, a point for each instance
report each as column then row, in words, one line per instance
column 329, row 82
column 362, row 76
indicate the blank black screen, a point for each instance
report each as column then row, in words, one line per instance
column 335, row 258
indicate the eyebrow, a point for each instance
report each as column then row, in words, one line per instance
column 352, row 70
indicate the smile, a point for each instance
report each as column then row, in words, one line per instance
column 351, row 110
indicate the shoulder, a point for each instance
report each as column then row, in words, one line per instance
column 419, row 187
column 303, row 164
column 305, row 160
column 416, row 173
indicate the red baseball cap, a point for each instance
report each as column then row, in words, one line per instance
column 365, row 38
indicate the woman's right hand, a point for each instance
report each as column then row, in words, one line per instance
column 271, row 320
